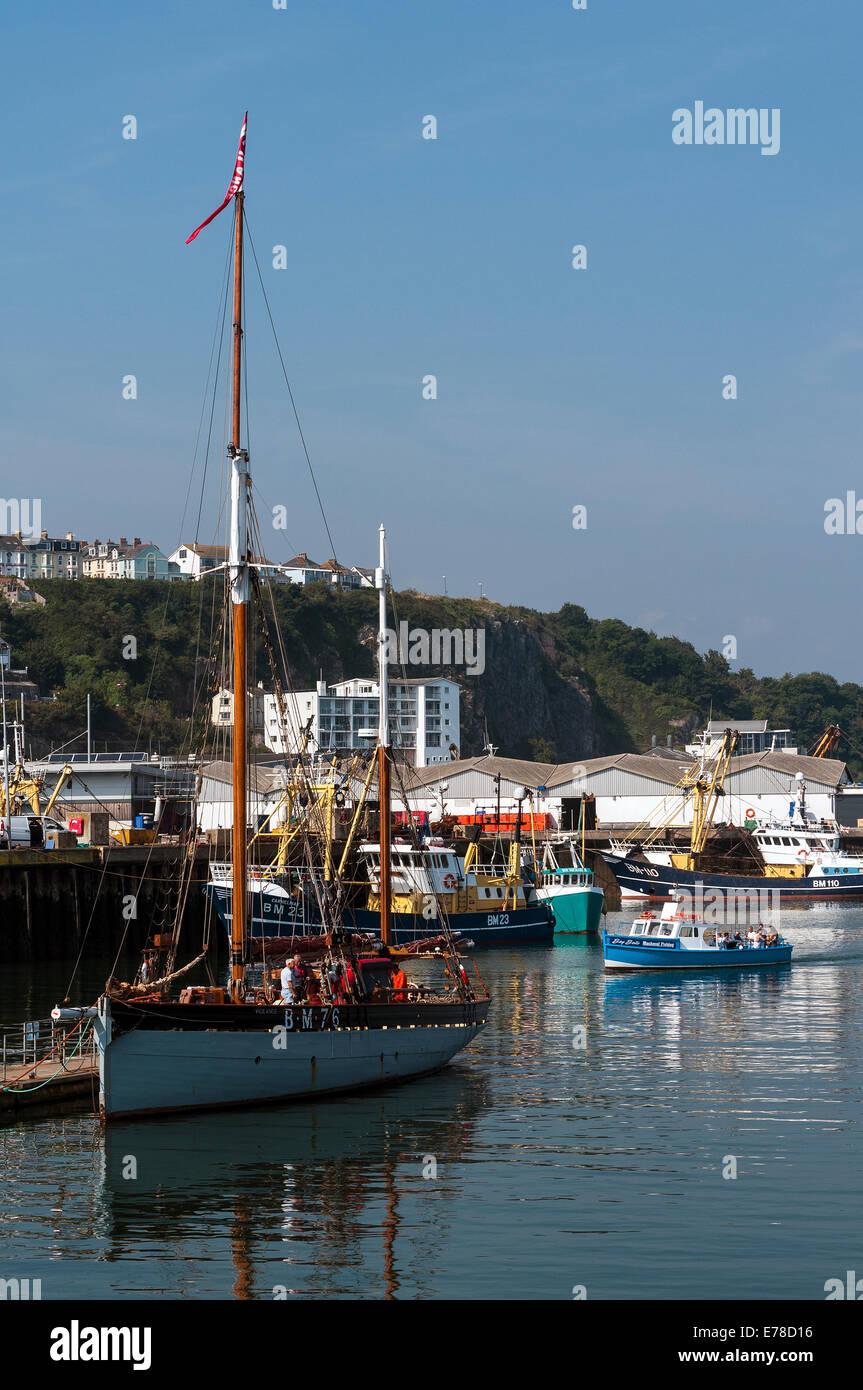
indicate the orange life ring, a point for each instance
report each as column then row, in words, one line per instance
column 449, row 881
column 750, row 814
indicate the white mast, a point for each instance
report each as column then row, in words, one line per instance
column 383, row 683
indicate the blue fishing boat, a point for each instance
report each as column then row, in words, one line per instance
column 835, row 878
column 678, row 940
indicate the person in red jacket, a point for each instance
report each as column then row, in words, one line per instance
column 400, row 984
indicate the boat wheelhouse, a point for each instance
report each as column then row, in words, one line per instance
column 484, row 903
column 796, row 844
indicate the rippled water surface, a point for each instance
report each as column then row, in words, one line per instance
column 556, row 1165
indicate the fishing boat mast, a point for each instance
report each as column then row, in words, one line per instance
column 383, row 744
column 238, row 563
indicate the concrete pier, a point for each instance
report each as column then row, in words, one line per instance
column 49, row 1087
column 51, row 899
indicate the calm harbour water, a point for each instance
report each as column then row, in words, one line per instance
column 556, row 1166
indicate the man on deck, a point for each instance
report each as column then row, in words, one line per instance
column 399, row 984
column 287, row 987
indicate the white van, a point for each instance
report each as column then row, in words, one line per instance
column 27, row 832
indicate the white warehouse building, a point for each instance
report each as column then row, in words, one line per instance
column 628, row 789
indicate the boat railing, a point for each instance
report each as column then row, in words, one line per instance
column 42, row 1040
column 221, row 871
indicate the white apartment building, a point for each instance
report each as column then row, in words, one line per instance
column 424, row 719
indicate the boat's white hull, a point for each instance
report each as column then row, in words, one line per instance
column 148, row 1072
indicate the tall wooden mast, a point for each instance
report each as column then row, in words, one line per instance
column 239, row 575
column 384, row 745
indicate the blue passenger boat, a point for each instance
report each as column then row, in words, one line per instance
column 678, row 940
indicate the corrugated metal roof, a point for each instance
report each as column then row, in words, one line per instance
column 261, row 779
column 743, row 726
column 829, row 771
column 635, row 774
column 665, row 770
column 511, row 769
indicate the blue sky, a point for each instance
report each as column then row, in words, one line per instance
column 406, row 257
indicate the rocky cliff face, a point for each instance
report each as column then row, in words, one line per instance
column 524, row 700
column 529, row 708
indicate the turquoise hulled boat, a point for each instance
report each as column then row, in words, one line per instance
column 571, row 893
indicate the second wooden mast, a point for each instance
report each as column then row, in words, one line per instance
column 384, row 748
column 238, row 563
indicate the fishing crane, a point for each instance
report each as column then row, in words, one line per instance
column 827, row 743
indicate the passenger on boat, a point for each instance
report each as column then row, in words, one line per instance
column 287, row 995
column 399, row 984
column 773, row 939
column 313, row 990
column 298, row 978
column 336, row 983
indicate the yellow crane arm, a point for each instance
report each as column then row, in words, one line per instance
column 65, row 775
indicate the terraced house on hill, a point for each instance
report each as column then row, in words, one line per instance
column 120, row 560
column 40, row 557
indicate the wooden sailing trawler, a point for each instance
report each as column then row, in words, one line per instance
column 359, row 1025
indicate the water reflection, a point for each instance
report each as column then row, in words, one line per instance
column 304, row 1193
column 557, row 1164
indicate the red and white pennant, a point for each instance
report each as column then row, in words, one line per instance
column 233, row 187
